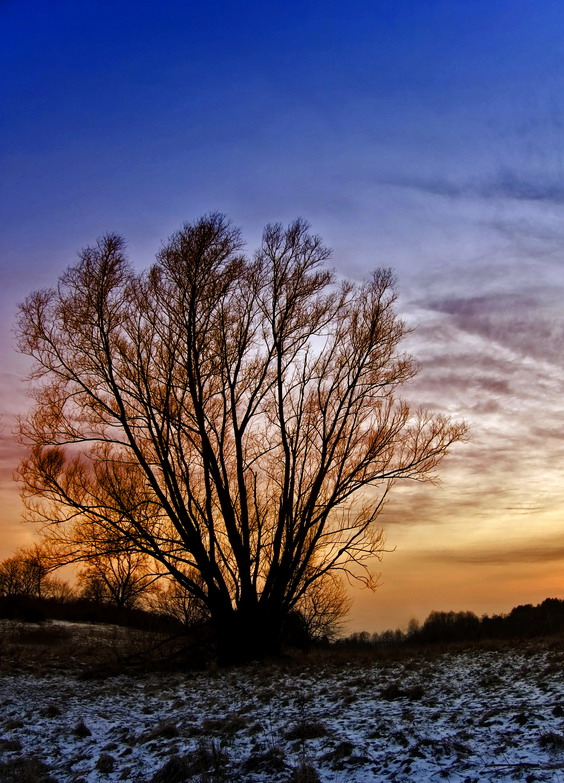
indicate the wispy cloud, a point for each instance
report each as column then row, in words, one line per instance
column 546, row 551
column 528, row 322
column 505, row 184
column 490, row 351
column 510, row 185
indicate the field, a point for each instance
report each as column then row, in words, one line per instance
column 77, row 707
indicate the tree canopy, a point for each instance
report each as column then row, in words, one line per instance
column 234, row 417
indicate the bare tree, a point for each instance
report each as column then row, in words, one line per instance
column 26, row 575
column 176, row 601
column 230, row 417
column 123, row 579
column 59, row 590
column 17, row 578
column 324, row 606
column 115, row 571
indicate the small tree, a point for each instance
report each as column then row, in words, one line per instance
column 27, row 575
column 114, row 571
column 177, row 602
column 324, row 606
column 59, row 590
column 231, row 417
column 413, row 628
column 123, row 579
column 24, row 574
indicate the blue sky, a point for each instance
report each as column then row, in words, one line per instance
column 135, row 117
column 426, row 136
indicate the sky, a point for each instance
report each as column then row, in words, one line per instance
column 422, row 135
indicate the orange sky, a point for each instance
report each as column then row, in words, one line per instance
column 423, row 136
column 487, row 538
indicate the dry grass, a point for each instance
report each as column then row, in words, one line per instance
column 89, row 651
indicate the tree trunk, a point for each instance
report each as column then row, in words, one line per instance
column 246, row 635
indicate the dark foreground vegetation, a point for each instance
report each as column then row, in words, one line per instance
column 79, row 610
column 101, row 639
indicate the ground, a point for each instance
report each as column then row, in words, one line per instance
column 480, row 714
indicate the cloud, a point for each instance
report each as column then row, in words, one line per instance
column 546, row 551
column 532, row 234
column 508, row 185
column 490, row 352
column 530, row 323
column 468, row 308
column 504, row 185
column 11, row 454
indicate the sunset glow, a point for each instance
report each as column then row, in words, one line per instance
column 426, row 137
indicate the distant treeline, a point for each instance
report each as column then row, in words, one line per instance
column 522, row 622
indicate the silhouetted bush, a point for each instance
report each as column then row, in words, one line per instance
column 25, row 770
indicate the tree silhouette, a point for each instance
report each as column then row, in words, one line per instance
column 26, row 575
column 123, row 580
column 230, row 417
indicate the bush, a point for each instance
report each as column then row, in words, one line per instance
column 105, row 763
column 306, row 729
column 176, row 770
column 25, row 770
column 305, row 773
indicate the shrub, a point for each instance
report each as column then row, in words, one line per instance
column 105, row 763
column 552, row 741
column 268, row 762
column 227, row 726
column 176, row 770
column 51, row 711
column 306, row 729
column 25, row 770
column 305, row 773
column 165, row 730
column 81, row 730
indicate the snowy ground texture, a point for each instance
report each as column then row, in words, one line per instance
column 469, row 715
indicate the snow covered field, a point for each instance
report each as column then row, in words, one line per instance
column 474, row 715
